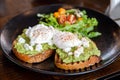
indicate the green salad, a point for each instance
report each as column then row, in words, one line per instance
column 71, row 20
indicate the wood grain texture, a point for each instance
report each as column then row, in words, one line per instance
column 10, row 71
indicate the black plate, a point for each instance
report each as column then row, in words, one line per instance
column 108, row 43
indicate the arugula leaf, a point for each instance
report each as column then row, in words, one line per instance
column 93, row 34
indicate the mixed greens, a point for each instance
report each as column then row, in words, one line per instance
column 71, row 20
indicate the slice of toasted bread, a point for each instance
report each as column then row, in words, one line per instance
column 76, row 65
column 32, row 58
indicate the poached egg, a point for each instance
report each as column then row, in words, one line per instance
column 66, row 40
column 39, row 34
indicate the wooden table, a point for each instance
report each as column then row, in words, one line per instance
column 11, row 8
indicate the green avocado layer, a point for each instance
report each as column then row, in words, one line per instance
column 91, row 50
column 20, row 46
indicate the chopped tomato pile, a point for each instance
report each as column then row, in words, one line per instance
column 64, row 18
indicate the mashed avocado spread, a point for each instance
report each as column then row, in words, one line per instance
column 89, row 51
column 20, row 46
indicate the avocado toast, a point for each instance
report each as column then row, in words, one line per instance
column 34, row 44
column 74, row 52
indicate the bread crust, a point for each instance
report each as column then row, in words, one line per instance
column 76, row 65
column 32, row 58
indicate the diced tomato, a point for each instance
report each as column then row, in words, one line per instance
column 61, row 11
column 71, row 18
column 62, row 19
column 80, row 18
column 56, row 14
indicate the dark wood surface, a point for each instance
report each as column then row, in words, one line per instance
column 11, row 8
